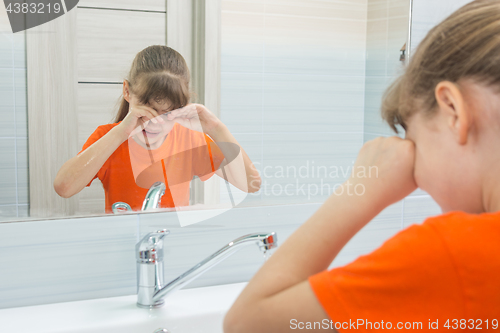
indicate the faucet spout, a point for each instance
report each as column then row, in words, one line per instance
column 153, row 197
column 265, row 241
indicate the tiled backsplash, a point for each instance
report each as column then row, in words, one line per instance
column 82, row 258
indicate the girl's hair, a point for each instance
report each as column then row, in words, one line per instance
column 466, row 45
column 160, row 73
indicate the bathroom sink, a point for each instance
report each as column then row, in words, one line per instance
column 198, row 310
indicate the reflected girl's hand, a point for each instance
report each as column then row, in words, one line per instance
column 195, row 117
column 138, row 114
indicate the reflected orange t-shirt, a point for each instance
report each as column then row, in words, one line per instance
column 184, row 154
column 446, row 270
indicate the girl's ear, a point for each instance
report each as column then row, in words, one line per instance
column 451, row 102
column 126, row 91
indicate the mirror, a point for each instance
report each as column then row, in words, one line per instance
column 297, row 84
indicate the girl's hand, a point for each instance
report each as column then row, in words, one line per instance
column 388, row 165
column 195, row 117
column 138, row 114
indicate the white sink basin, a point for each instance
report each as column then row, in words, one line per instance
column 199, row 310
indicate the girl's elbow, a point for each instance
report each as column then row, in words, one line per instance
column 254, row 184
column 233, row 323
column 62, row 188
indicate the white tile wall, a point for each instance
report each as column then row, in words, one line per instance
column 428, row 13
column 292, row 81
column 13, row 123
column 386, row 33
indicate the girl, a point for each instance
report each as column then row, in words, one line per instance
column 123, row 154
column 441, row 275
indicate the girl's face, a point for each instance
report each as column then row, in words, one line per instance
column 154, row 134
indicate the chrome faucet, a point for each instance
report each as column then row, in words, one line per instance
column 120, row 207
column 153, row 197
column 150, row 288
column 152, row 200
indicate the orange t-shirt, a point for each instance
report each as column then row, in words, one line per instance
column 184, row 153
column 446, row 270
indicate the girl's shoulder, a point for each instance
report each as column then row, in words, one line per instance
column 97, row 134
column 103, row 129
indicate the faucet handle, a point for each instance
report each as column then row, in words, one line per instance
column 150, row 248
column 120, row 207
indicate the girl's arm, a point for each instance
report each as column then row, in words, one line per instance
column 77, row 172
column 280, row 293
column 240, row 172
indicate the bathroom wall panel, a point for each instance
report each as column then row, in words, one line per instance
column 330, row 10
column 91, row 199
column 52, row 120
column 376, row 10
column 6, row 48
column 21, row 104
column 387, row 32
column 397, row 8
column 105, row 48
column 241, row 99
column 7, row 121
column 7, row 87
column 19, row 42
column 72, row 259
column 314, row 45
column 243, row 37
column 396, row 39
column 8, row 183
column 6, row 54
column 13, row 121
column 306, row 167
column 418, row 208
column 22, row 175
column 310, row 103
column 375, row 88
column 143, row 5
column 97, row 105
column 376, row 48
column 9, row 211
column 312, row 57
column 428, row 13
